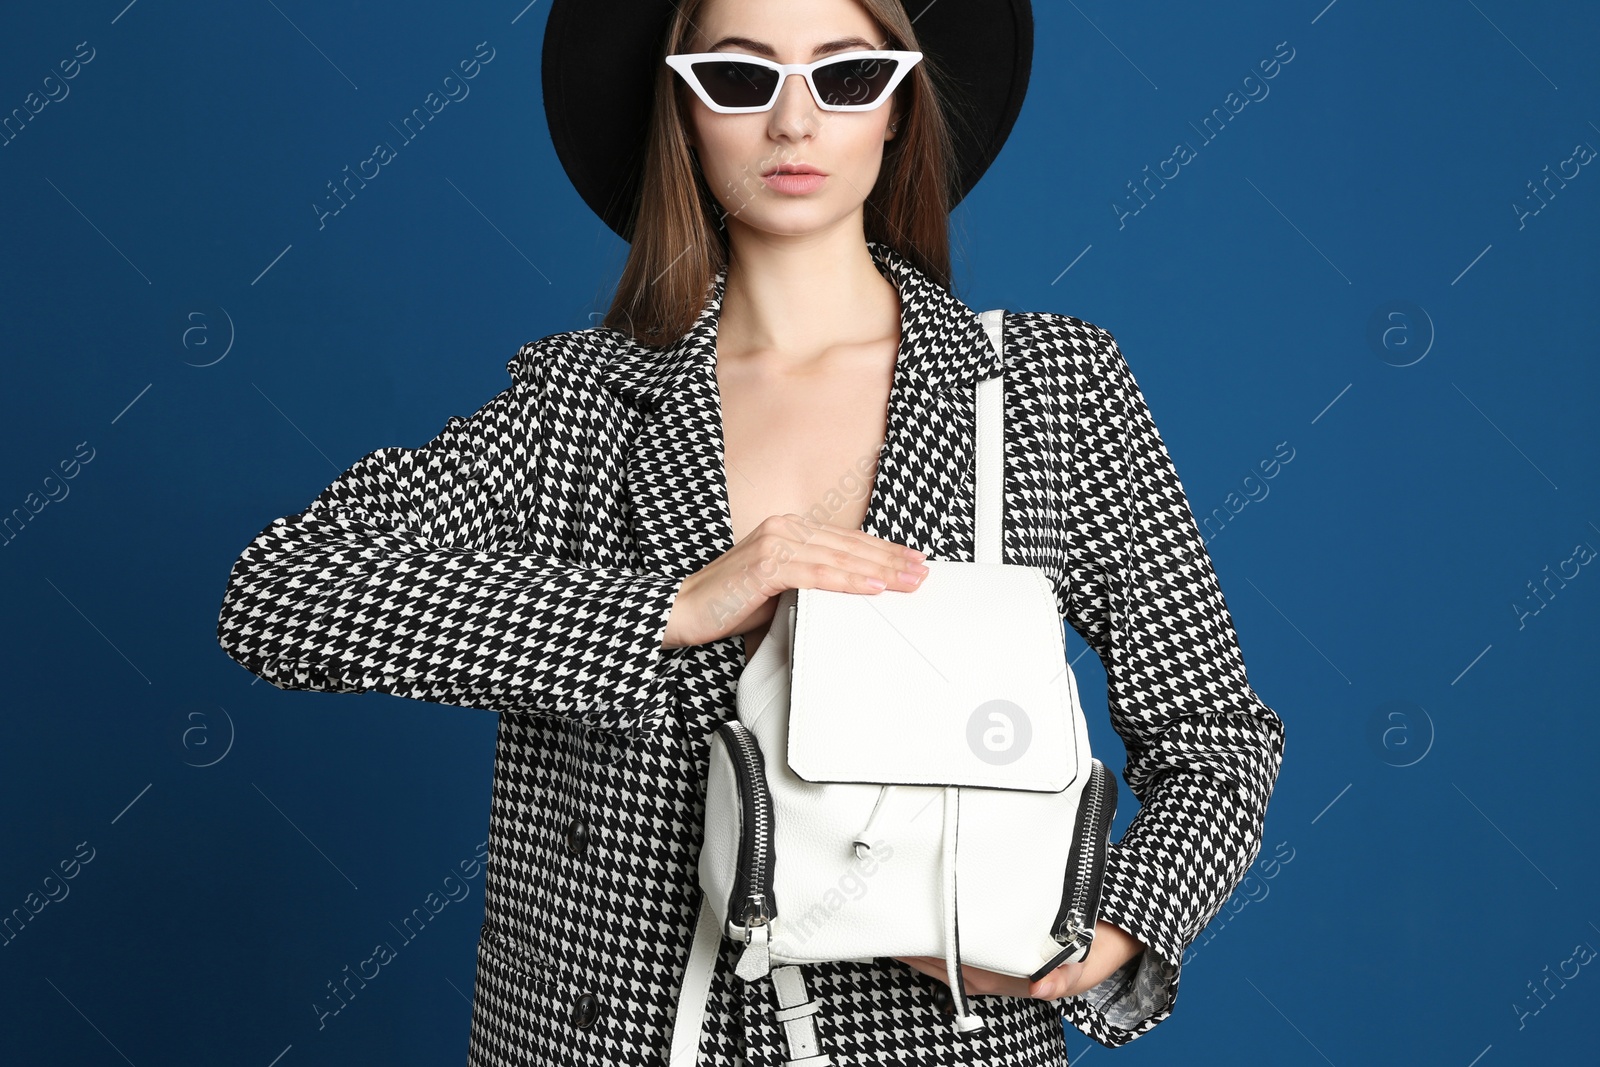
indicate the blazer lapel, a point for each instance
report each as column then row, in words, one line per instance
column 925, row 468
column 676, row 474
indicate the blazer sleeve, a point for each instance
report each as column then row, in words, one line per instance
column 414, row 574
column 1203, row 751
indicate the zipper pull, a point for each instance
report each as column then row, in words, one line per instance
column 755, row 961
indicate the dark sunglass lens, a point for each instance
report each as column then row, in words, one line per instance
column 734, row 84
column 854, row 81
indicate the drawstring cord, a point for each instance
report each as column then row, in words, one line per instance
column 966, row 1019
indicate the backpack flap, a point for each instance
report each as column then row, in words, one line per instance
column 962, row 681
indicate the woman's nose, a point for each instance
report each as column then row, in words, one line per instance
column 796, row 107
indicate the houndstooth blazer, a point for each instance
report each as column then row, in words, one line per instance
column 526, row 559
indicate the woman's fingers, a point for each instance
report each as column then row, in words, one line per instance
column 785, row 553
column 799, row 533
column 789, row 551
column 1060, row 982
column 849, row 552
column 979, row 982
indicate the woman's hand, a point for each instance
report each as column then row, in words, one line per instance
column 738, row 590
column 1113, row 946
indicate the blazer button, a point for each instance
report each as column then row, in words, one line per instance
column 577, row 837
column 943, row 999
column 585, row 1010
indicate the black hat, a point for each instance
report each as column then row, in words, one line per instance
column 599, row 76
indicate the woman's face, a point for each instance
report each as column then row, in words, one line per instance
column 738, row 152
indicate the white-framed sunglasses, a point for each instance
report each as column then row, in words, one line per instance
column 733, row 83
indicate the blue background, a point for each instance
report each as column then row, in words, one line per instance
column 171, row 301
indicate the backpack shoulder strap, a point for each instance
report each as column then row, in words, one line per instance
column 988, row 460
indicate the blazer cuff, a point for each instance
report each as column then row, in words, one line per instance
column 1142, row 992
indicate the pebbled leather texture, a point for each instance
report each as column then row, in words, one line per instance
column 962, row 681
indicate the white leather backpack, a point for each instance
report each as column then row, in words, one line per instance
column 908, row 774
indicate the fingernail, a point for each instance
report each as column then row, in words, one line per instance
column 907, row 576
column 876, row 583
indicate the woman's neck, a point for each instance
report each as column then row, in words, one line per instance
column 791, row 298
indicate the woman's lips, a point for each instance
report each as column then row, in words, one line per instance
column 794, row 184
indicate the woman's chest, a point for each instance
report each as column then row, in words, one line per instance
column 806, row 446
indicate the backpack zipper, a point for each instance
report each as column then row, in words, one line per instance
column 750, row 903
column 1080, row 901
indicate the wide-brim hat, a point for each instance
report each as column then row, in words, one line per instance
column 599, row 74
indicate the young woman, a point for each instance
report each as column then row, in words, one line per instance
column 780, row 397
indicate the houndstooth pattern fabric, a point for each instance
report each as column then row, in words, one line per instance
column 526, row 559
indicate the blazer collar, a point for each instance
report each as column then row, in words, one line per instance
column 942, row 342
column 676, row 473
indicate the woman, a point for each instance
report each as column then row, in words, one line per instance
column 780, row 397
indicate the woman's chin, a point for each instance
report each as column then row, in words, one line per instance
column 791, row 220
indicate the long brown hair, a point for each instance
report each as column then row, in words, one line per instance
column 679, row 242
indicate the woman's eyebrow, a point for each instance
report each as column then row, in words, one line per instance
column 762, row 49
